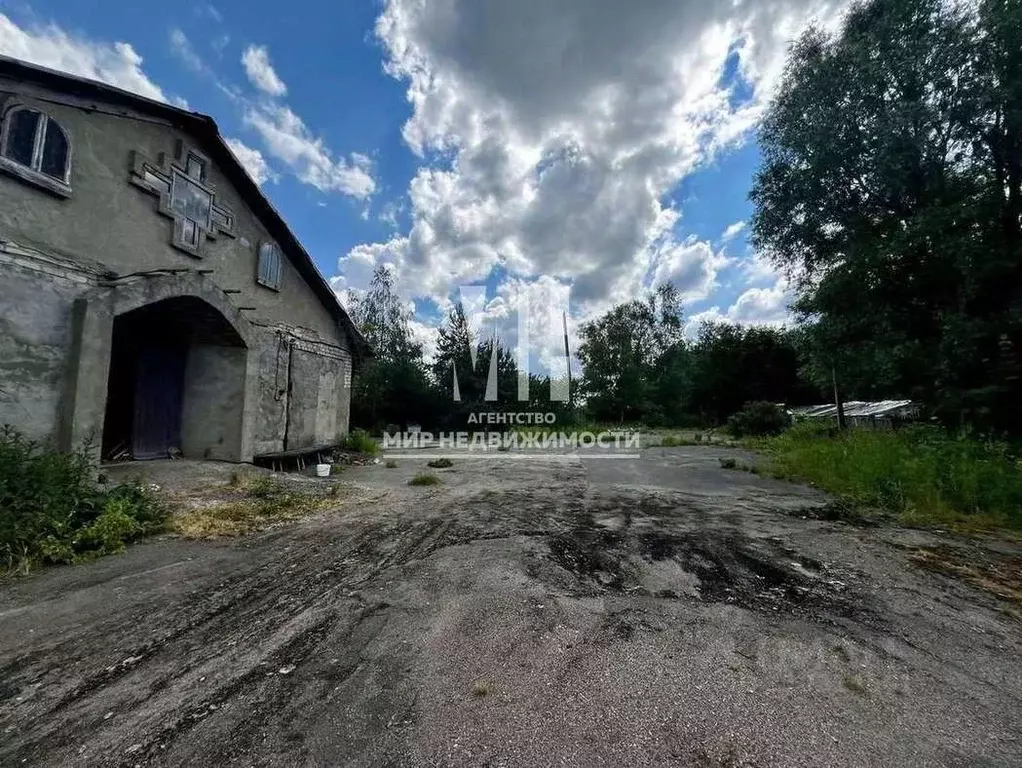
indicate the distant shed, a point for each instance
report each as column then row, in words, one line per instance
column 883, row 414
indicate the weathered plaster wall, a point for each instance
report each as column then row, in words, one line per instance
column 271, row 410
column 133, row 236
column 305, row 393
column 110, row 225
column 35, row 342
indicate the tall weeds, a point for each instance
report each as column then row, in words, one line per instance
column 921, row 473
column 53, row 511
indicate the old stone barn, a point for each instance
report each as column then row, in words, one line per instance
column 152, row 301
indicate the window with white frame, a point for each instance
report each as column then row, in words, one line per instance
column 35, row 147
column 269, row 266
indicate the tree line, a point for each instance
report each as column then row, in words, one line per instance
column 637, row 368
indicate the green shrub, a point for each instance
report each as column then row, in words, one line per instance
column 424, row 479
column 54, row 511
column 440, row 464
column 359, row 440
column 758, row 420
column 671, row 441
column 265, row 487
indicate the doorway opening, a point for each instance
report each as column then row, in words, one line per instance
column 176, row 384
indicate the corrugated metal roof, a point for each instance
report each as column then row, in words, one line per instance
column 859, row 409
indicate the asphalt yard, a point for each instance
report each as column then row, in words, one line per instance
column 580, row 611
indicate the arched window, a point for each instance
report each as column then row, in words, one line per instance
column 35, row 147
column 269, row 266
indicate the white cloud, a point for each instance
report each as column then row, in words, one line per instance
column 50, row 46
column 256, row 60
column 691, row 266
column 568, row 124
column 390, row 212
column 252, row 160
column 733, row 231
column 183, row 49
column 288, row 139
column 427, row 336
column 755, row 306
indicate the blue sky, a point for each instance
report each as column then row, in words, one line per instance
column 573, row 146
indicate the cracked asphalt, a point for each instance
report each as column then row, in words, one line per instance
column 580, row 612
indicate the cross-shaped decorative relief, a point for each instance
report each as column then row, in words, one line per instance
column 184, row 197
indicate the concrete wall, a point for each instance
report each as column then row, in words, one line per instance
column 35, row 341
column 212, row 415
column 110, row 225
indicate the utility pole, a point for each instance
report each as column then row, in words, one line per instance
column 837, row 398
column 567, row 353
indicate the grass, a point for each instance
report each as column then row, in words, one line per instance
column 673, row 441
column 424, row 478
column 684, row 438
column 360, row 441
column 854, row 684
column 921, row 475
column 255, row 504
column 482, row 688
column 440, row 464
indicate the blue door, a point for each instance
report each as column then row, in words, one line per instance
column 159, row 392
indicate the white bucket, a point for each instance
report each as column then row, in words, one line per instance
column 323, row 470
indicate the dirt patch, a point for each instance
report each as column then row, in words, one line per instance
column 249, row 503
column 843, row 511
column 1000, row 576
column 723, row 567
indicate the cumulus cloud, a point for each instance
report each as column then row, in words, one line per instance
column 256, row 61
column 426, row 335
column 252, row 160
column 755, row 306
column 567, row 126
column 50, row 46
column 733, row 231
column 691, row 266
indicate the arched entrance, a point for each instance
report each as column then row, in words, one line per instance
column 142, row 315
column 176, row 383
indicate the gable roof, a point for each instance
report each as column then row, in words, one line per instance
column 205, row 130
